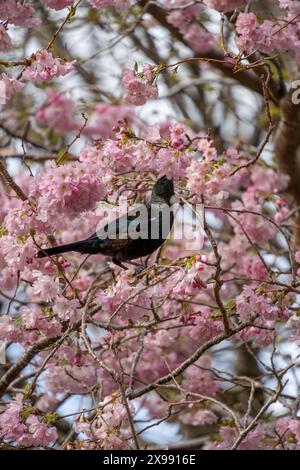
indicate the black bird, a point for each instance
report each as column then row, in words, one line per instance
column 150, row 225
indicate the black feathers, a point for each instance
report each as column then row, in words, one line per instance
column 134, row 235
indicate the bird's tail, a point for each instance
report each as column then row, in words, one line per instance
column 57, row 250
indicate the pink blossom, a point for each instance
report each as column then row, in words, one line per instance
column 292, row 7
column 119, row 159
column 249, row 304
column 285, row 427
column 7, row 9
column 41, row 434
column 67, row 309
column 35, row 319
column 205, row 327
column 45, row 287
column 257, row 227
column 21, row 219
column 140, row 87
column 190, row 284
column 105, row 116
column 20, row 14
column 45, row 66
column 253, row 440
column 67, row 190
column 10, row 85
column 58, row 112
column 27, row 432
column 170, row 163
column 8, row 277
column 177, row 130
column 259, row 337
column 91, row 155
column 141, row 327
column 181, row 18
column 117, row 4
column 18, row 253
column 199, row 380
column 185, row 19
column 206, row 147
column 198, row 39
column 226, row 5
column 152, row 133
column 161, row 339
column 108, row 440
column 70, row 378
column 254, row 35
column 110, row 425
column 248, row 30
column 267, row 180
column 254, row 268
column 199, row 417
column 11, row 426
column 9, row 329
column 57, row 4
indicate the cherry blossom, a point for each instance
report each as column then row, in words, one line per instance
column 117, row 4
column 45, row 66
column 58, row 4
column 139, row 86
column 226, row 5
column 10, row 85
column 18, row 424
column 185, row 20
column 58, row 113
column 21, row 14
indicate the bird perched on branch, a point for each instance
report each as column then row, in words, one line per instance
column 136, row 234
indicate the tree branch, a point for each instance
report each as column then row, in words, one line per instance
column 185, row 364
column 286, row 145
column 243, row 77
column 16, row 368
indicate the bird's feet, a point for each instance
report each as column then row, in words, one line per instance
column 139, row 267
column 118, row 263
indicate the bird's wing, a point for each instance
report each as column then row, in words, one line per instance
column 136, row 219
column 137, row 223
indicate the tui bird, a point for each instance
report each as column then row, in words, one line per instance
column 133, row 235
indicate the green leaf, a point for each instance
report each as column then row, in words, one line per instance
column 29, row 410
column 230, row 304
column 50, row 418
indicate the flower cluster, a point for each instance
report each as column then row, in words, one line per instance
column 57, row 4
column 9, row 85
column 117, row 4
column 66, row 191
column 19, row 424
column 266, row 36
column 226, row 5
column 19, row 14
column 45, row 66
column 185, row 19
column 109, row 428
column 105, row 118
column 57, row 112
column 140, row 86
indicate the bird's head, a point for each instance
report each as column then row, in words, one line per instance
column 163, row 190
